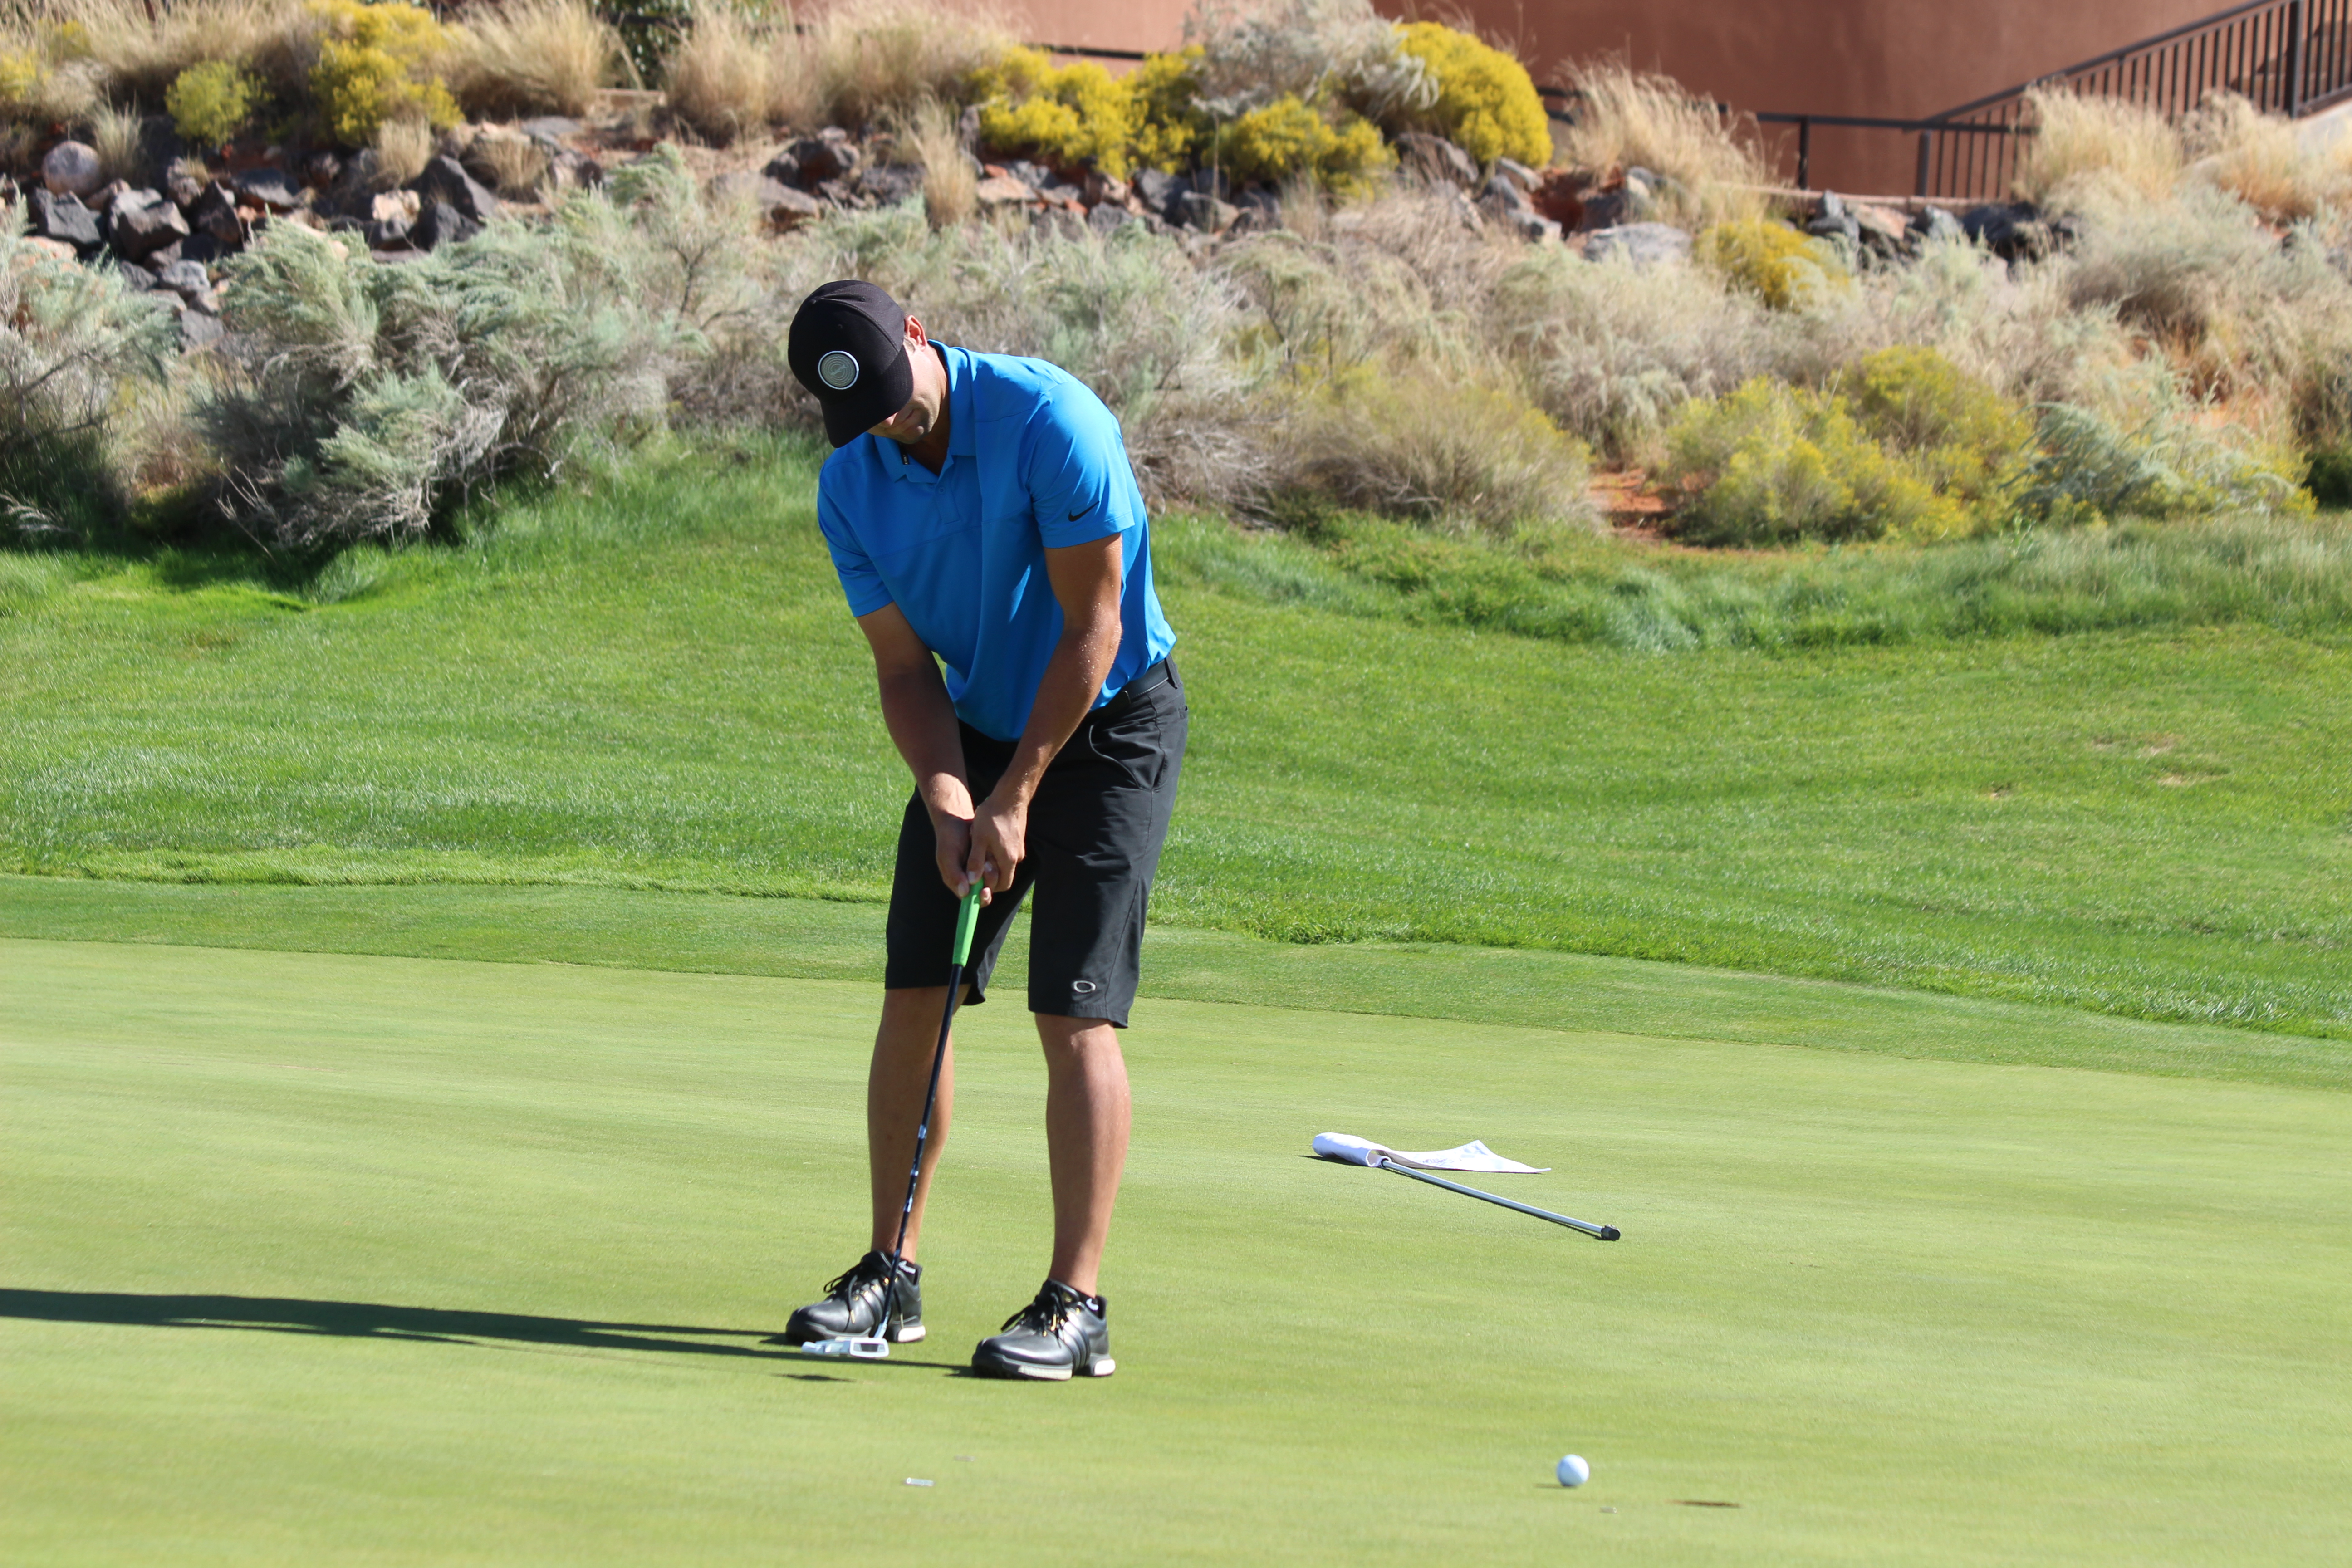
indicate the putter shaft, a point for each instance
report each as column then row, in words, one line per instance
column 1604, row 1232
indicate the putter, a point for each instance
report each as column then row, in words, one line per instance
column 1605, row 1232
column 876, row 1347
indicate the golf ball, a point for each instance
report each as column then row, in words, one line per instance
column 1573, row 1471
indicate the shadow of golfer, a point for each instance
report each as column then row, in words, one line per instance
column 370, row 1320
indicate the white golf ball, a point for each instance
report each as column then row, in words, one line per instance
column 1573, row 1471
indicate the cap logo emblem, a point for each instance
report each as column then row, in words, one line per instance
column 838, row 370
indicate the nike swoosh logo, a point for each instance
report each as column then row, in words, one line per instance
column 1081, row 512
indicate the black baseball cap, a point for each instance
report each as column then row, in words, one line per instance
column 849, row 347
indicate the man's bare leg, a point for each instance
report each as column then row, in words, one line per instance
column 893, row 1104
column 1087, row 1115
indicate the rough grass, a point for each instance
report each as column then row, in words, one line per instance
column 533, row 57
column 657, row 684
column 1625, row 118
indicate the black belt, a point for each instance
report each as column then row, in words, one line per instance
column 1153, row 675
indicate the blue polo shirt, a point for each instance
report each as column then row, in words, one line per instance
column 1034, row 462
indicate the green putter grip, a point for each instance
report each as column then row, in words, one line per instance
column 967, row 919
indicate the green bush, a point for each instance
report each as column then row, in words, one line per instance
column 376, row 63
column 1773, row 464
column 1487, row 102
column 1287, row 139
column 1786, row 269
column 210, row 104
column 1964, row 438
column 2094, row 467
column 1073, row 117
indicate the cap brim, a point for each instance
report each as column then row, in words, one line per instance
column 882, row 394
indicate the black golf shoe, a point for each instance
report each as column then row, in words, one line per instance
column 853, row 1305
column 1059, row 1335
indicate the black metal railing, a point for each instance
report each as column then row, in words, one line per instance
column 2286, row 57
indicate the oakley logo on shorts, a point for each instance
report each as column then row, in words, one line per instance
column 838, row 370
column 1084, row 988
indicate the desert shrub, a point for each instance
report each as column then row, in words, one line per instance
column 135, row 51
column 1783, row 267
column 1486, row 102
column 2148, row 451
column 1169, row 123
column 1074, row 116
column 1440, row 451
column 533, row 57
column 1613, row 350
column 75, row 346
column 1285, row 140
column 1963, row 437
column 402, row 148
column 720, row 79
column 20, row 74
column 210, row 104
column 1335, row 53
column 1625, row 120
column 116, row 135
column 2085, row 145
column 376, row 63
column 950, row 184
column 861, row 61
column 364, row 399
column 1772, row 464
column 511, row 163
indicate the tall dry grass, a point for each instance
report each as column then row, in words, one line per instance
column 115, row 137
column 928, row 137
column 722, row 75
column 402, row 148
column 1625, row 118
column 138, row 57
column 2084, row 146
column 2261, row 159
column 533, row 57
column 867, row 59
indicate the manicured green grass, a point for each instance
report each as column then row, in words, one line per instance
column 839, row 939
column 656, row 685
column 324, row 1259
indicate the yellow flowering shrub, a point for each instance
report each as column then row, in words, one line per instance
column 1073, row 116
column 1487, row 103
column 1771, row 260
column 211, row 102
column 1170, row 128
column 376, row 63
column 1286, row 138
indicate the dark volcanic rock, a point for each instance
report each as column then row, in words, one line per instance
column 184, row 183
column 444, row 180
column 814, row 160
column 199, row 330
column 63, row 217
column 438, row 223
column 270, row 190
column 188, row 281
column 214, row 213
column 1206, row 213
column 1158, row 191
column 887, row 184
column 140, row 223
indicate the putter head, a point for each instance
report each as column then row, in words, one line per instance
column 865, row 1347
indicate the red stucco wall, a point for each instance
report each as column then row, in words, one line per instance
column 1900, row 58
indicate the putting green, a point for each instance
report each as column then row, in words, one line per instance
column 321, row 1259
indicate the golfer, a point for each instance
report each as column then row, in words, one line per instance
column 991, row 538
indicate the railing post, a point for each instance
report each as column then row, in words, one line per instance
column 1804, row 153
column 1926, row 154
column 2298, row 30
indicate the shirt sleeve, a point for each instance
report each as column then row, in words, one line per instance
column 1075, row 464
column 860, row 582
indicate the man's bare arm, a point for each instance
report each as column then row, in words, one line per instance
column 1086, row 579
column 922, row 724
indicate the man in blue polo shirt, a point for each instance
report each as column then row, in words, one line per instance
column 988, row 534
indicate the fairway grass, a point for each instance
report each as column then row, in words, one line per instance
column 316, row 1259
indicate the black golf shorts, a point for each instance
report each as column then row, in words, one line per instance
column 1094, row 831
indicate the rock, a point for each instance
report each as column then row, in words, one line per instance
column 550, row 128
column 166, row 256
column 445, row 181
column 1062, row 221
column 184, row 183
column 1062, row 195
column 1533, row 228
column 817, row 159
column 204, row 249
column 1158, row 190
column 1560, row 197
column 353, row 188
column 137, row 277
column 1881, row 224
column 1036, row 176
column 140, row 223
column 1518, row 174
column 190, row 282
column 56, row 249
column 2010, row 231
column 1001, row 190
column 215, row 212
column 1435, row 159
column 1101, row 187
column 199, row 330
column 840, row 192
column 888, row 185
column 386, row 234
column 1205, row 213
column 439, row 223
column 574, row 171
column 1833, row 221
column 321, row 170
column 63, row 218
column 159, row 142
column 1500, row 194
column 1940, row 226
column 1105, row 218
column 1641, row 244
column 395, row 207
column 1606, row 209
column 270, row 190
column 71, row 169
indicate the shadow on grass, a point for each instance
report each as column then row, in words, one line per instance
column 369, row 1320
